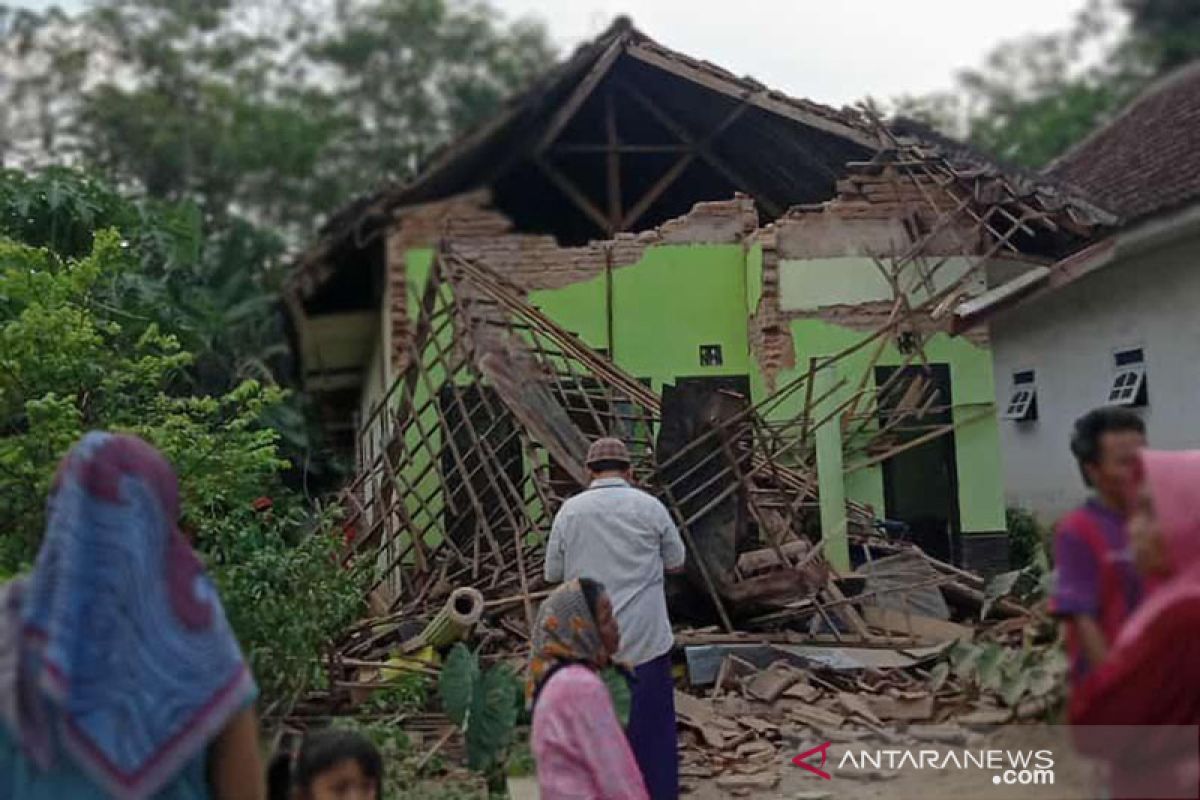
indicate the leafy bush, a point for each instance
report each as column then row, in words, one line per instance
column 1015, row 674
column 286, row 601
column 483, row 704
column 1029, row 542
column 71, row 362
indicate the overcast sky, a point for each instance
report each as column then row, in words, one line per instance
column 833, row 51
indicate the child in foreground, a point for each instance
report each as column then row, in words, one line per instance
column 330, row 765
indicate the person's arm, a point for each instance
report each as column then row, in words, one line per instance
column 553, row 571
column 1075, row 597
column 1091, row 638
column 235, row 767
column 674, row 554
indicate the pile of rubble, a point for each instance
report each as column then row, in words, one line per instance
column 743, row 729
column 484, row 434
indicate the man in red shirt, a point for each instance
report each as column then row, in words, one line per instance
column 1096, row 585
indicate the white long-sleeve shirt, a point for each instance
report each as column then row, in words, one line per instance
column 624, row 538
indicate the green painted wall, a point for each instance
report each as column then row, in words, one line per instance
column 677, row 298
column 977, row 444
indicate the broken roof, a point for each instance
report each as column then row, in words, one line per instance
column 688, row 131
column 1147, row 160
column 677, row 131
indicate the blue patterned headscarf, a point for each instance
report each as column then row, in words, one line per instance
column 124, row 645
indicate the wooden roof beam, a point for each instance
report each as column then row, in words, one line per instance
column 573, row 194
column 701, row 145
column 562, row 117
column 650, row 55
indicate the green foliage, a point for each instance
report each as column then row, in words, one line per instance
column 406, row 693
column 411, row 73
column 619, row 691
column 215, row 295
column 286, row 600
column 457, row 683
column 483, row 704
column 281, row 111
column 1032, row 99
column 1014, row 674
column 1164, row 33
column 492, row 717
column 1029, row 542
column 521, row 762
column 71, row 361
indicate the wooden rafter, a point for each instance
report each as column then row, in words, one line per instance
column 702, row 145
column 624, row 149
column 613, row 165
column 573, row 194
column 654, row 192
column 578, row 97
column 763, row 100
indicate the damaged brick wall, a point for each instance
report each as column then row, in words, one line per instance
column 871, row 217
column 770, row 337
column 533, row 262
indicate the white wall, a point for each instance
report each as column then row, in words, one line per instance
column 1151, row 301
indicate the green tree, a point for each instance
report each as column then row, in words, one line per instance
column 72, row 359
column 1033, row 98
column 274, row 110
column 413, row 73
column 1164, row 33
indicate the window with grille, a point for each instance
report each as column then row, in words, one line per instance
column 1128, row 387
column 1022, row 399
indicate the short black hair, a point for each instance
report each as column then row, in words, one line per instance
column 593, row 590
column 1085, row 438
column 608, row 465
column 319, row 752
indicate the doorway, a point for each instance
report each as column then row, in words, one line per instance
column 920, row 484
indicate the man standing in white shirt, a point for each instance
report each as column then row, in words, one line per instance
column 625, row 539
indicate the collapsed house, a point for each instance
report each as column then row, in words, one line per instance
column 755, row 292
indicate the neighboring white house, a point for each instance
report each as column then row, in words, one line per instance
column 1117, row 324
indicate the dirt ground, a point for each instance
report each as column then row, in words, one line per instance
column 1073, row 778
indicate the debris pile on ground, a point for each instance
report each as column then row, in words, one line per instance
column 744, row 728
column 484, row 434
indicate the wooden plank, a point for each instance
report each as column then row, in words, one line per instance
column 701, row 145
column 763, row 101
column 941, row 430
column 923, row 627
column 624, row 149
column 655, row 191
column 582, row 92
column 572, row 192
column 613, row 165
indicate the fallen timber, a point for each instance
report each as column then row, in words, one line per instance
column 483, row 434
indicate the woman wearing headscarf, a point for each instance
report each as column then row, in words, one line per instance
column 1148, row 677
column 119, row 674
column 577, row 741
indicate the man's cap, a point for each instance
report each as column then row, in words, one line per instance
column 607, row 449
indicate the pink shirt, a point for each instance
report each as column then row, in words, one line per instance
column 581, row 751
